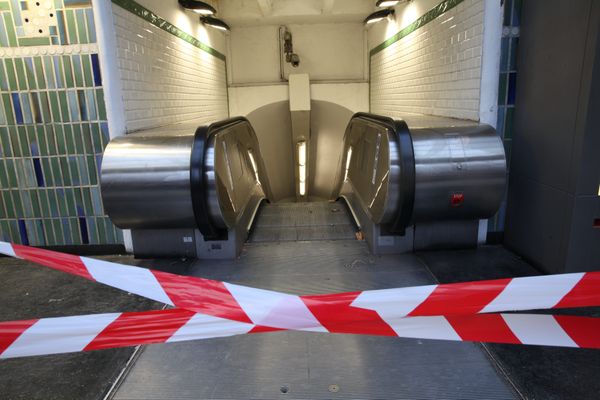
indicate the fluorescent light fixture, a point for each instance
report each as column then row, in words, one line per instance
column 302, row 168
column 215, row 23
column 387, row 3
column 598, row 190
column 199, row 7
column 254, row 165
column 348, row 158
column 378, row 15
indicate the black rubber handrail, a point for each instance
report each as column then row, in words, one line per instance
column 198, row 183
column 401, row 134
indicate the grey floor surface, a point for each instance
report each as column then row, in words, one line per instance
column 297, row 365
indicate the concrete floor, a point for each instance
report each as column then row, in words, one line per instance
column 531, row 372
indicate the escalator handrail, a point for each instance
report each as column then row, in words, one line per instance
column 400, row 133
column 198, row 183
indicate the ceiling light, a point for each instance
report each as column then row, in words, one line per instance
column 387, row 3
column 199, row 7
column 215, row 23
column 378, row 15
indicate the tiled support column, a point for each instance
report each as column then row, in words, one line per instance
column 53, row 125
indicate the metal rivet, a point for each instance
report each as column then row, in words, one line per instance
column 284, row 389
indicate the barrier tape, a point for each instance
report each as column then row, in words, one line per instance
column 463, row 311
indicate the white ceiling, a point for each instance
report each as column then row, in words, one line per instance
column 276, row 12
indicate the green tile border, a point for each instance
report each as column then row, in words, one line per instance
column 418, row 23
column 142, row 12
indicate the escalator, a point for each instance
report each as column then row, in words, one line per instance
column 298, row 248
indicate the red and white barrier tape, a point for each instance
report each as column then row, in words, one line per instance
column 449, row 311
column 104, row 331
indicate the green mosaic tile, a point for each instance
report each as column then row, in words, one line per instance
column 5, row 233
column 35, row 203
column 40, row 138
column 96, row 139
column 86, row 64
column 59, row 72
column 49, row 234
column 11, row 172
column 101, row 223
column 75, row 175
column 27, row 204
column 144, row 13
column 3, row 78
column 3, row 175
column 64, row 170
column 61, row 142
column 70, row 203
column 63, row 210
column 4, row 6
column 45, row 107
column 71, row 26
column 36, row 41
column 17, row 203
column 78, row 139
column 78, row 73
column 74, row 229
column 8, row 111
column 54, row 106
column 83, row 170
column 30, row 73
column 5, row 147
column 9, row 204
column 23, row 145
column 101, row 104
column 58, row 230
column 39, row 72
column 31, row 138
column 64, row 106
column 86, row 135
column 92, row 170
column 20, row 71
column 13, row 132
column 10, row 29
column 96, row 201
column 47, row 171
column 68, row 70
column 2, row 209
column 10, row 74
column 69, row 141
column 56, row 172
column 87, row 201
column 51, row 139
column 49, row 72
column 81, row 26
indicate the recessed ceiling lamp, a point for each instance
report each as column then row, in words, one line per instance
column 199, row 7
column 215, row 23
column 378, row 15
column 387, row 3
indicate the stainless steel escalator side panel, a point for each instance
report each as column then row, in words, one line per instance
column 184, row 176
column 145, row 181
column 460, row 173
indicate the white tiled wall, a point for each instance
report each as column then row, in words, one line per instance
column 435, row 70
column 165, row 79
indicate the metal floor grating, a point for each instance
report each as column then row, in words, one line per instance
column 282, row 222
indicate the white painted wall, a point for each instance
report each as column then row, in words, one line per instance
column 435, row 70
column 334, row 51
column 164, row 79
column 353, row 96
